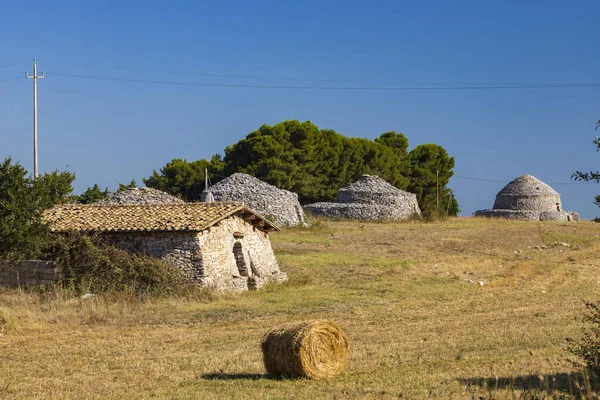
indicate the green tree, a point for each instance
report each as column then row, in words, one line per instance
column 315, row 163
column 590, row 176
column 396, row 141
column 22, row 201
column 430, row 172
column 92, row 195
column 185, row 179
column 122, row 186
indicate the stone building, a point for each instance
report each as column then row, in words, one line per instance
column 280, row 205
column 369, row 198
column 220, row 245
column 528, row 198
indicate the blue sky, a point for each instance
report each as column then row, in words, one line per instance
column 110, row 131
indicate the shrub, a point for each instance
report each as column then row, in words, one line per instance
column 86, row 264
column 587, row 347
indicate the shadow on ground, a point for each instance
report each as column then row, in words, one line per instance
column 221, row 376
column 572, row 383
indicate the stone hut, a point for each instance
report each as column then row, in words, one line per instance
column 220, row 245
column 140, row 195
column 369, row 198
column 280, row 205
column 528, row 198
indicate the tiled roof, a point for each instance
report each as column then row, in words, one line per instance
column 192, row 217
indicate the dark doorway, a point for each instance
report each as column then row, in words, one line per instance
column 238, row 253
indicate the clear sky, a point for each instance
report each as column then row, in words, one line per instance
column 110, row 131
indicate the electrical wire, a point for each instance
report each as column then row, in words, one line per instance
column 364, row 88
column 17, row 63
column 10, row 78
column 505, row 182
column 471, row 85
column 254, row 76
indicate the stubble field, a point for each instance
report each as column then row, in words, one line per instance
column 466, row 308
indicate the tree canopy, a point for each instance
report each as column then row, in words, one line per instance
column 315, row 163
column 22, row 201
column 92, row 195
column 591, row 176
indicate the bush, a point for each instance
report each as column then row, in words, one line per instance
column 587, row 348
column 86, row 264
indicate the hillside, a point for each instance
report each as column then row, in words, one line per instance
column 401, row 292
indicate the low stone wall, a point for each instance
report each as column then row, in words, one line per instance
column 364, row 212
column 526, row 215
column 545, row 203
column 28, row 273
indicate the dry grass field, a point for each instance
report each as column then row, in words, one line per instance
column 401, row 292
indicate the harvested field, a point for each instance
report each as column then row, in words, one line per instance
column 401, row 292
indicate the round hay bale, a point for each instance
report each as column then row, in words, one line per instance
column 315, row 349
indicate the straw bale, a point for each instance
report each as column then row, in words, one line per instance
column 315, row 349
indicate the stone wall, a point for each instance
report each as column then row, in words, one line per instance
column 28, row 273
column 363, row 212
column 177, row 248
column 527, row 215
column 208, row 258
column 530, row 203
column 258, row 264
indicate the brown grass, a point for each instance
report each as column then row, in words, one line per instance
column 401, row 292
column 315, row 349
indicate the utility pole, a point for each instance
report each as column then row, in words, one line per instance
column 35, row 146
column 437, row 191
column 205, row 178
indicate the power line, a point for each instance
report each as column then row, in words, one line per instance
column 364, row 88
column 252, row 76
column 17, row 63
column 12, row 79
column 10, row 76
column 471, row 85
column 505, row 182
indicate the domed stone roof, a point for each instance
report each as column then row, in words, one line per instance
column 527, row 185
column 369, row 198
column 140, row 195
column 528, row 198
column 371, row 189
column 527, row 193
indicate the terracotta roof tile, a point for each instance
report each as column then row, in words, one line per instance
column 147, row 217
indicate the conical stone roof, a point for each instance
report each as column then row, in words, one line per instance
column 140, row 195
column 280, row 206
